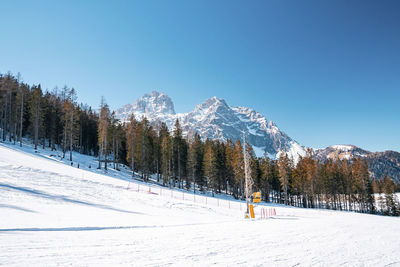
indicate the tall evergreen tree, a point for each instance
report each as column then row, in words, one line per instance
column 35, row 109
column 104, row 123
column 130, row 142
column 238, row 169
column 166, row 159
column 284, row 174
column 210, row 169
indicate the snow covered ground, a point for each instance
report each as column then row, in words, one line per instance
column 55, row 214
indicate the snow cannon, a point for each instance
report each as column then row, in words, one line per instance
column 250, row 214
column 256, row 197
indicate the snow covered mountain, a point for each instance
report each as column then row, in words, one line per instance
column 379, row 163
column 340, row 152
column 150, row 105
column 214, row 118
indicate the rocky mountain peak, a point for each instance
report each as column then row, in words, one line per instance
column 213, row 104
column 343, row 147
column 154, row 103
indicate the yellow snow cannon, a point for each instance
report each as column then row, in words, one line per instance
column 250, row 214
column 256, row 197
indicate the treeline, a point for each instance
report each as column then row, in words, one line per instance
column 55, row 120
column 218, row 167
column 337, row 184
column 51, row 119
column 387, row 202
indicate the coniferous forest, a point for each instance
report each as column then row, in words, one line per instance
column 55, row 120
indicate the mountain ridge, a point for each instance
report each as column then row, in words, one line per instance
column 215, row 119
column 379, row 163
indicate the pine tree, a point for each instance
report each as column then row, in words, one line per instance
column 104, row 122
column 210, row 170
column 284, row 174
column 230, row 178
column 197, row 164
column 162, row 133
column 311, row 176
column 179, row 155
column 21, row 99
column 115, row 131
column 220, row 161
column 238, row 169
column 347, row 183
column 368, row 193
column 130, row 142
column 72, row 119
column 144, row 148
column 166, row 159
column 391, row 202
column 35, row 109
column 300, row 184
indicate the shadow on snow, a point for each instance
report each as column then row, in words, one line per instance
column 62, row 198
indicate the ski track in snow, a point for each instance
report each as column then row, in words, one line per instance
column 54, row 214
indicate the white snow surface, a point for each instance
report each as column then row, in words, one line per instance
column 53, row 214
column 343, row 147
column 294, row 152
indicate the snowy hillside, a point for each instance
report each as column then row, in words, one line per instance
column 340, row 152
column 379, row 163
column 216, row 119
column 55, row 214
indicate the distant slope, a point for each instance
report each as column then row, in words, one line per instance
column 379, row 163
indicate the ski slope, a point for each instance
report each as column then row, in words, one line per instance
column 53, row 214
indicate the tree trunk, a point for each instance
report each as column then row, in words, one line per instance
column 113, row 148
column 105, row 153
column 71, row 127
column 36, row 127
column 10, row 123
column 132, row 158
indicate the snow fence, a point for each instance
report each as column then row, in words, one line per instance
column 262, row 212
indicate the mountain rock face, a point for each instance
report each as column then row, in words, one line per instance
column 215, row 119
column 340, row 152
column 379, row 163
column 151, row 106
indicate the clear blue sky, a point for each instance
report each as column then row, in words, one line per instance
column 327, row 72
